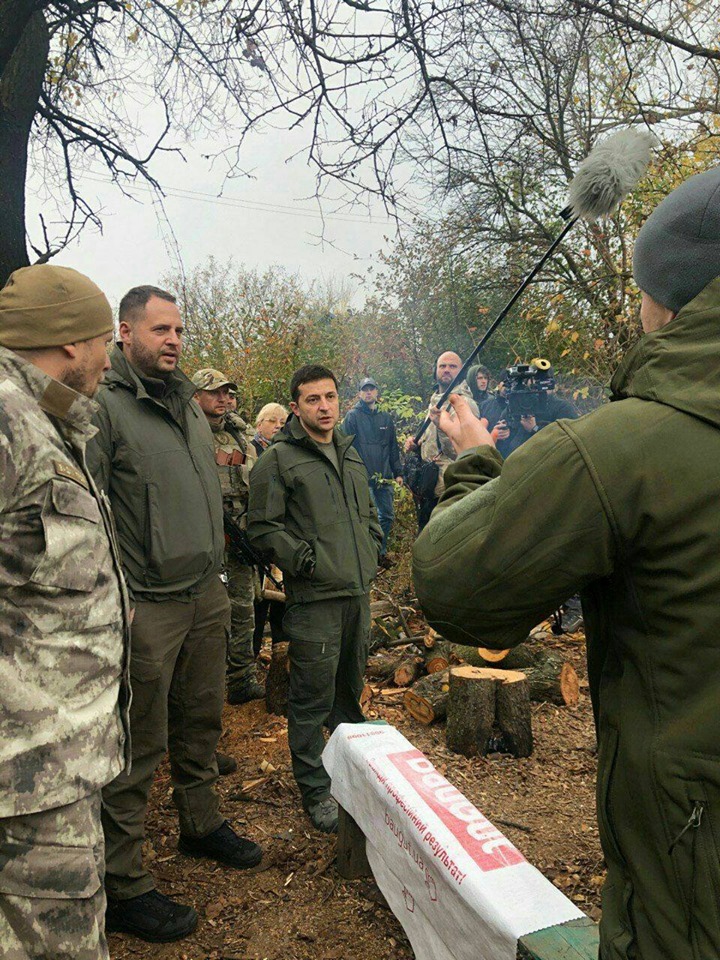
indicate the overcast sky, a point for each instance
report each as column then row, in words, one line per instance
column 271, row 219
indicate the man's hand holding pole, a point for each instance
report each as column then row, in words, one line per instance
column 464, row 429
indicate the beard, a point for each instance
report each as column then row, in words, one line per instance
column 81, row 379
column 146, row 362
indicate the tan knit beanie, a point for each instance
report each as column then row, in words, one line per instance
column 48, row 306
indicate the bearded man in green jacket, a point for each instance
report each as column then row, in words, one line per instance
column 153, row 456
column 630, row 515
column 311, row 513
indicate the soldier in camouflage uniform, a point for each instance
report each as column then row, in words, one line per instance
column 64, row 618
column 234, row 456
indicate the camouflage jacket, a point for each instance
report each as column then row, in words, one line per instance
column 436, row 445
column 235, row 457
column 64, row 611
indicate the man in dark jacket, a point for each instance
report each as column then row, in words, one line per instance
column 153, row 456
column 623, row 503
column 513, row 425
column 373, row 435
column 311, row 513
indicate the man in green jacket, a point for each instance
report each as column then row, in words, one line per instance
column 629, row 514
column 153, row 455
column 311, row 513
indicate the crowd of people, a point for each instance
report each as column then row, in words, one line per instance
column 128, row 616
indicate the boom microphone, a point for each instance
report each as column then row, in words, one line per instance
column 610, row 171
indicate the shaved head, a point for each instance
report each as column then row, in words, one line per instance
column 447, row 366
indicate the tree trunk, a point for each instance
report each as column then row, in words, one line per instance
column 20, row 86
column 482, row 701
column 278, row 680
column 427, row 700
column 471, row 710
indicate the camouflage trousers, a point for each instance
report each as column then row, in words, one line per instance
column 52, row 901
column 241, row 669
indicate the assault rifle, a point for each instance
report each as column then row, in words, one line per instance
column 240, row 545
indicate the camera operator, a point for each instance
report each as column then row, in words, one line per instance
column 525, row 403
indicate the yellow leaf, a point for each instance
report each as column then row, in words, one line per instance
column 575, row 336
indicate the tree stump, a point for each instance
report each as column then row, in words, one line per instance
column 427, row 700
column 277, row 684
column 512, row 713
column 477, row 706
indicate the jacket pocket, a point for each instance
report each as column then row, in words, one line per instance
column 694, row 850
column 47, row 872
column 72, row 532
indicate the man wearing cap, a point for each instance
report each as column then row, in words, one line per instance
column 373, row 433
column 64, row 618
column 234, row 457
column 153, row 455
column 629, row 512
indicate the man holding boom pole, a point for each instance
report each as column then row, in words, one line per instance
column 629, row 515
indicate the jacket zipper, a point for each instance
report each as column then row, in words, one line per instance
column 693, row 823
column 347, row 507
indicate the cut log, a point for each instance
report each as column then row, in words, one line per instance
column 382, row 666
column 382, row 608
column 553, row 682
column 426, row 701
column 512, row 713
column 437, row 658
column 278, row 680
column 431, row 638
column 517, row 658
column 492, row 656
column 481, row 700
column 408, row 671
column 277, row 595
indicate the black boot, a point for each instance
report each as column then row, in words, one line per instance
column 223, row 845
column 151, row 916
column 225, row 764
column 251, row 691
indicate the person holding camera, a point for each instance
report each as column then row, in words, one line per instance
column 525, row 403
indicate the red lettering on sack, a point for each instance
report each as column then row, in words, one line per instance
column 478, row 837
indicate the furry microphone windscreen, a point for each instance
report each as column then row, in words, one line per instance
column 608, row 173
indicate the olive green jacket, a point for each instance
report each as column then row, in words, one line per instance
column 623, row 504
column 319, row 526
column 158, row 468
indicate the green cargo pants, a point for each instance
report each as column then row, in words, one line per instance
column 177, row 671
column 241, row 669
column 329, row 641
column 52, row 901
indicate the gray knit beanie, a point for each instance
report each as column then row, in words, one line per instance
column 677, row 252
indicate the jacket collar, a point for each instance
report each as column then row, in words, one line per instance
column 678, row 365
column 72, row 409
column 294, row 432
column 147, row 388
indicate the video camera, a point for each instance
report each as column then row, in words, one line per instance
column 526, row 385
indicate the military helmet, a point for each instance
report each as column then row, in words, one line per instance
column 209, row 379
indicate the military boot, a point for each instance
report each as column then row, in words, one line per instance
column 251, row 691
column 151, row 916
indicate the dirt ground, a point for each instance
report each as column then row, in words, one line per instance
column 294, row 906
